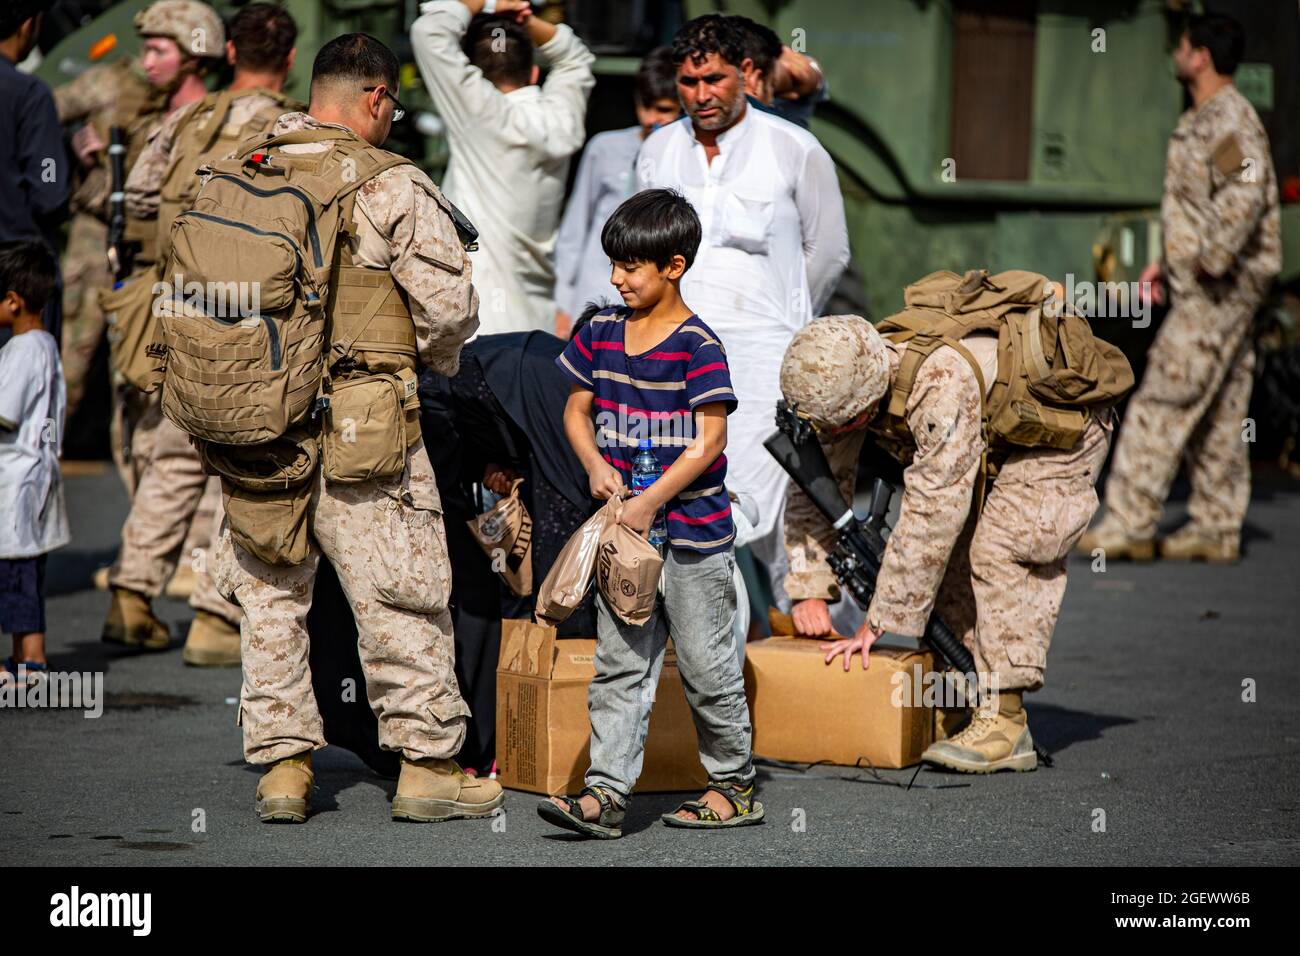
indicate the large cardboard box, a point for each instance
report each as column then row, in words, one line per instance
column 542, row 725
column 806, row 712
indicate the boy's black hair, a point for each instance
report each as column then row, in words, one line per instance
column 652, row 226
column 504, row 57
column 656, row 79
column 762, row 45
column 711, row 33
column 18, row 13
column 1222, row 36
column 263, row 35
column 356, row 56
column 28, row 268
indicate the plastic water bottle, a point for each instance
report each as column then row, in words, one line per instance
column 645, row 469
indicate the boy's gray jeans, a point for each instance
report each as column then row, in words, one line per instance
column 696, row 607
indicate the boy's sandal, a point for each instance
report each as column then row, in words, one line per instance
column 607, row 826
column 35, row 671
column 748, row 810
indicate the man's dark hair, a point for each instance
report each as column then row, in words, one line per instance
column 18, row 13
column 28, row 268
column 652, row 226
column 762, row 45
column 1222, row 36
column 711, row 33
column 505, row 57
column 355, row 56
column 263, row 35
column 656, row 79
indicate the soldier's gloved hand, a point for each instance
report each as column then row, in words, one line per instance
column 860, row 643
column 812, row 618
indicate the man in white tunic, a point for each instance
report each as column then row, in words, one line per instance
column 774, row 244
column 511, row 141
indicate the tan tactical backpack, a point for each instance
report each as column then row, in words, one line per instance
column 1053, row 373
column 204, row 135
column 257, row 257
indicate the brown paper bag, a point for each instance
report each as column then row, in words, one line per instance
column 507, row 528
column 627, row 571
column 570, row 575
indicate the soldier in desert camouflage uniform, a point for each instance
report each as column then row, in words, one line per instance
column 170, row 517
column 379, row 532
column 1222, row 250
column 996, row 576
column 106, row 95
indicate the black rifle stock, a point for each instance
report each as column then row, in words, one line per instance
column 860, row 546
column 118, row 257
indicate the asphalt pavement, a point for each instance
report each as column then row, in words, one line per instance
column 1147, row 712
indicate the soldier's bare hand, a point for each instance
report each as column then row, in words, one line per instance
column 86, row 144
column 563, row 324
column 1151, row 285
column 812, row 618
column 605, row 481
column 860, row 643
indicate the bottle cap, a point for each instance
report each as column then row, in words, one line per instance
column 646, row 443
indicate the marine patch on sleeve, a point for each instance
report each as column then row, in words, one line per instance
column 1228, row 157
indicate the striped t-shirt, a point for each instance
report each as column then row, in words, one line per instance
column 653, row 395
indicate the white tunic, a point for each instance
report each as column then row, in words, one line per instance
column 33, row 519
column 774, row 245
column 509, row 161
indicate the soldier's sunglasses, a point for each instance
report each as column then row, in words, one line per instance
column 398, row 109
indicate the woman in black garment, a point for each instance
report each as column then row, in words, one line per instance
column 500, row 417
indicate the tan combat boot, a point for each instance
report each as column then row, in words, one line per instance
column 181, row 584
column 1190, row 544
column 432, row 789
column 211, row 642
column 989, row 743
column 131, row 622
column 284, row 792
column 1115, row 542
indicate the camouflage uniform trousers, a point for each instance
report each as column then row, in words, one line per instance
column 385, row 538
column 85, row 272
column 165, row 523
column 1002, row 590
column 206, row 597
column 1192, row 403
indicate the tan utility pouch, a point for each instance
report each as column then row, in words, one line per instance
column 505, row 533
column 135, row 351
column 366, row 435
column 267, row 491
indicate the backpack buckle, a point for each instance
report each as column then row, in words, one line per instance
column 322, row 404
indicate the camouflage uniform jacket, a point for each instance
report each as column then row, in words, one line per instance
column 1220, row 209
column 943, row 412
column 402, row 227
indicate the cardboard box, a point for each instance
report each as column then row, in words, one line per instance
column 806, row 712
column 542, row 725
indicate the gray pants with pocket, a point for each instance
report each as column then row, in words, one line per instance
column 696, row 607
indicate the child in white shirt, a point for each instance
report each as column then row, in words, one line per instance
column 33, row 520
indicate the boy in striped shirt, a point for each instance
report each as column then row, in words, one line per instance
column 652, row 369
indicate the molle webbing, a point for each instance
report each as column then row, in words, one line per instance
column 369, row 313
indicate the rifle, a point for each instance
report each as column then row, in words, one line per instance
column 860, row 548
column 119, row 257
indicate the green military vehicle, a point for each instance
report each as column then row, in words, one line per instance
column 1000, row 133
